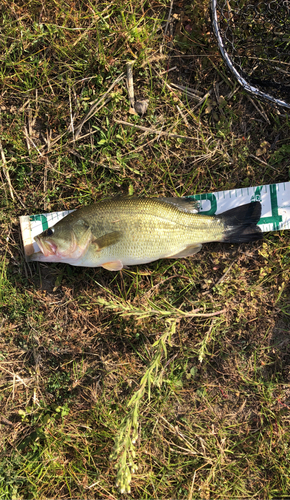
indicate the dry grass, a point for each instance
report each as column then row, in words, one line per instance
column 135, row 363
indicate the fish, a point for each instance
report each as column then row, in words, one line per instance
column 126, row 231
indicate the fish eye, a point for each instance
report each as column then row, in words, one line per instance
column 49, row 231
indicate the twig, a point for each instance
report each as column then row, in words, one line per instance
column 83, row 136
column 31, row 120
column 130, row 86
column 153, row 131
column 4, row 187
column 182, row 116
column 221, row 279
column 26, row 135
column 167, row 70
column 84, row 33
column 46, row 164
column 202, row 100
column 5, row 421
column 263, row 162
column 172, row 90
column 94, row 108
column 34, row 145
column 206, row 315
column 259, row 110
column 90, row 133
column 6, row 171
column 191, row 95
column 19, row 199
column 75, row 153
column 161, row 283
column 175, row 431
column 153, row 58
column 70, row 112
column 15, row 376
column 191, row 488
column 139, row 148
column 189, row 91
column 169, row 16
column 204, row 342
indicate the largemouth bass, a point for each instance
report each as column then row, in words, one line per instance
column 129, row 231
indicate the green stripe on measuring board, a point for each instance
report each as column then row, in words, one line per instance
column 275, row 200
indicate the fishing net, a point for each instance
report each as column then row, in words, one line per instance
column 254, row 40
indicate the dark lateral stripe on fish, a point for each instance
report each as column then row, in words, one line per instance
column 241, row 223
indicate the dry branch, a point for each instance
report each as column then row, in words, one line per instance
column 130, row 86
column 6, row 171
column 154, row 131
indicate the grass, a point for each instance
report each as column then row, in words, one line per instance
column 168, row 380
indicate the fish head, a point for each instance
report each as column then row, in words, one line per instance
column 58, row 241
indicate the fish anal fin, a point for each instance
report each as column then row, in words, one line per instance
column 107, row 239
column 116, row 265
column 186, row 252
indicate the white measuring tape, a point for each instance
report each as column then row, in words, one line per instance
column 274, row 198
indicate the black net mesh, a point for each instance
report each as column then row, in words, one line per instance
column 254, row 39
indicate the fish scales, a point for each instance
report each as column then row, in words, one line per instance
column 126, row 231
column 150, row 229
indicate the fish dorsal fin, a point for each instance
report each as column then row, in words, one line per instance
column 183, row 204
column 107, row 239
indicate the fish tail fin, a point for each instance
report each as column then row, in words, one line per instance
column 241, row 223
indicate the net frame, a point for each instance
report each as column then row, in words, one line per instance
column 228, row 37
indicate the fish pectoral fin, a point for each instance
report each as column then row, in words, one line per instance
column 107, row 239
column 116, row 265
column 186, row 252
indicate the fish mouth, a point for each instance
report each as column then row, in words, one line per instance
column 47, row 247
